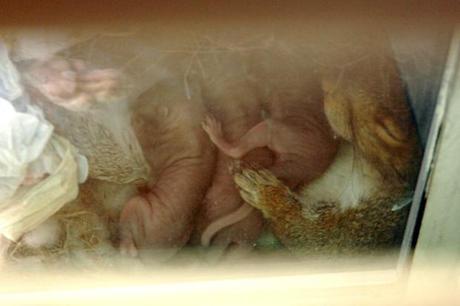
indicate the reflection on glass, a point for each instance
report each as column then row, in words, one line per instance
column 156, row 144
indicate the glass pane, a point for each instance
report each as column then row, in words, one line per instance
column 162, row 143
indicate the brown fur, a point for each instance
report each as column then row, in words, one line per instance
column 366, row 105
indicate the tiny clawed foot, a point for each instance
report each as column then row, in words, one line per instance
column 212, row 127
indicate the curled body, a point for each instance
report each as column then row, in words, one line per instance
column 136, row 104
column 181, row 157
column 295, row 128
column 230, row 97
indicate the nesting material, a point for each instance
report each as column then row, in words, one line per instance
column 31, row 206
column 80, row 232
column 86, row 232
column 106, row 138
column 46, row 234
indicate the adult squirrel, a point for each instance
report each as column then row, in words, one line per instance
column 359, row 203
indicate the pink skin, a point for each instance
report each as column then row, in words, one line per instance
column 234, row 217
column 71, row 84
column 33, row 178
column 224, row 219
column 30, row 180
column 304, row 148
column 303, row 153
column 296, row 131
column 182, row 160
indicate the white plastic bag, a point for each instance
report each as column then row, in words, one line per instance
column 10, row 88
column 32, row 205
column 23, row 137
column 29, row 148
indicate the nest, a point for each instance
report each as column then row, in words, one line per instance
column 84, row 233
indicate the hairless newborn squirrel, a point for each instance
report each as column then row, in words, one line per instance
column 296, row 129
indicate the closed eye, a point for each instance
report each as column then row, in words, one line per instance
column 389, row 131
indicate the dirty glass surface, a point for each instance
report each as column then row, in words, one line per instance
column 147, row 144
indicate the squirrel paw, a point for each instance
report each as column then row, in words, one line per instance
column 259, row 188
